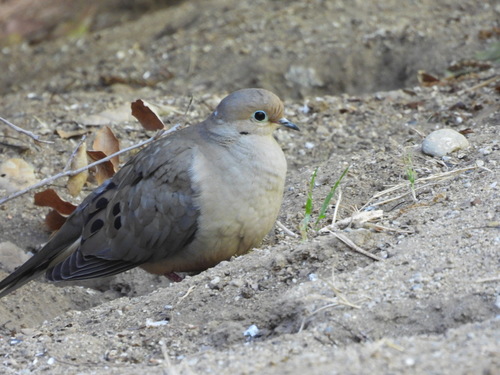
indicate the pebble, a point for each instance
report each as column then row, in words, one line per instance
column 443, row 141
column 251, row 331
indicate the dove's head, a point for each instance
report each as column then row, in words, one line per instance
column 251, row 111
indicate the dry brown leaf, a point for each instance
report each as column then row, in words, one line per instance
column 466, row 131
column 427, row 79
column 104, row 170
column 49, row 198
column 414, row 105
column 54, row 220
column 489, row 33
column 60, row 208
column 146, row 115
column 71, row 134
column 107, row 142
column 76, row 182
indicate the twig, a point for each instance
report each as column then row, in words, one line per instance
column 392, row 345
column 488, row 279
column 358, row 219
column 380, row 228
column 51, row 179
column 482, row 84
column 72, row 156
column 355, row 247
column 285, row 229
column 439, row 176
column 23, row 131
column 186, row 294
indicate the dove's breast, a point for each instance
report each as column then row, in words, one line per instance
column 239, row 205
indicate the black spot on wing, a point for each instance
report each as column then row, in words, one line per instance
column 96, row 225
column 118, row 223
column 116, row 209
column 101, row 203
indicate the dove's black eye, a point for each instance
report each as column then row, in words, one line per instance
column 260, row 116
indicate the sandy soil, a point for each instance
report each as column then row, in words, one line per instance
column 347, row 71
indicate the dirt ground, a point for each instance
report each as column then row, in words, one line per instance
column 347, row 72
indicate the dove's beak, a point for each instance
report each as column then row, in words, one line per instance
column 284, row 122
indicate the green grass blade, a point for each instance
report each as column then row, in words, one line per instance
column 326, row 202
column 309, row 205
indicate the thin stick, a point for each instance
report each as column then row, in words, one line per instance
column 482, row 84
column 488, row 279
column 23, row 131
column 439, row 176
column 51, row 179
column 358, row 219
column 380, row 228
column 355, row 247
column 186, row 294
column 285, row 229
column 73, row 154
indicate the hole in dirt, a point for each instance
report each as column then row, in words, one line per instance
column 382, row 64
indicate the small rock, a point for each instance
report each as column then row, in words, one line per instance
column 312, row 277
column 443, row 141
column 214, row 283
column 251, row 331
column 151, row 323
column 237, row 283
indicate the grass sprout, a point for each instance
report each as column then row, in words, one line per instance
column 304, row 224
column 411, row 174
column 326, row 202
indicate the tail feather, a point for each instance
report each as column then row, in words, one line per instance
column 37, row 265
column 25, row 273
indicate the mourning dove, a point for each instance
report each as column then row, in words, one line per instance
column 183, row 204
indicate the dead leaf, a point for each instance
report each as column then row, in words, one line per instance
column 414, row 105
column 50, row 198
column 76, row 182
column 146, row 115
column 71, row 134
column 107, row 142
column 489, row 33
column 427, row 79
column 54, row 220
column 466, row 131
column 409, row 92
column 104, row 170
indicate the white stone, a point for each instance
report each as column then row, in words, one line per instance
column 443, row 141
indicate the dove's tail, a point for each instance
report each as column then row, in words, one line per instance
column 34, row 267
